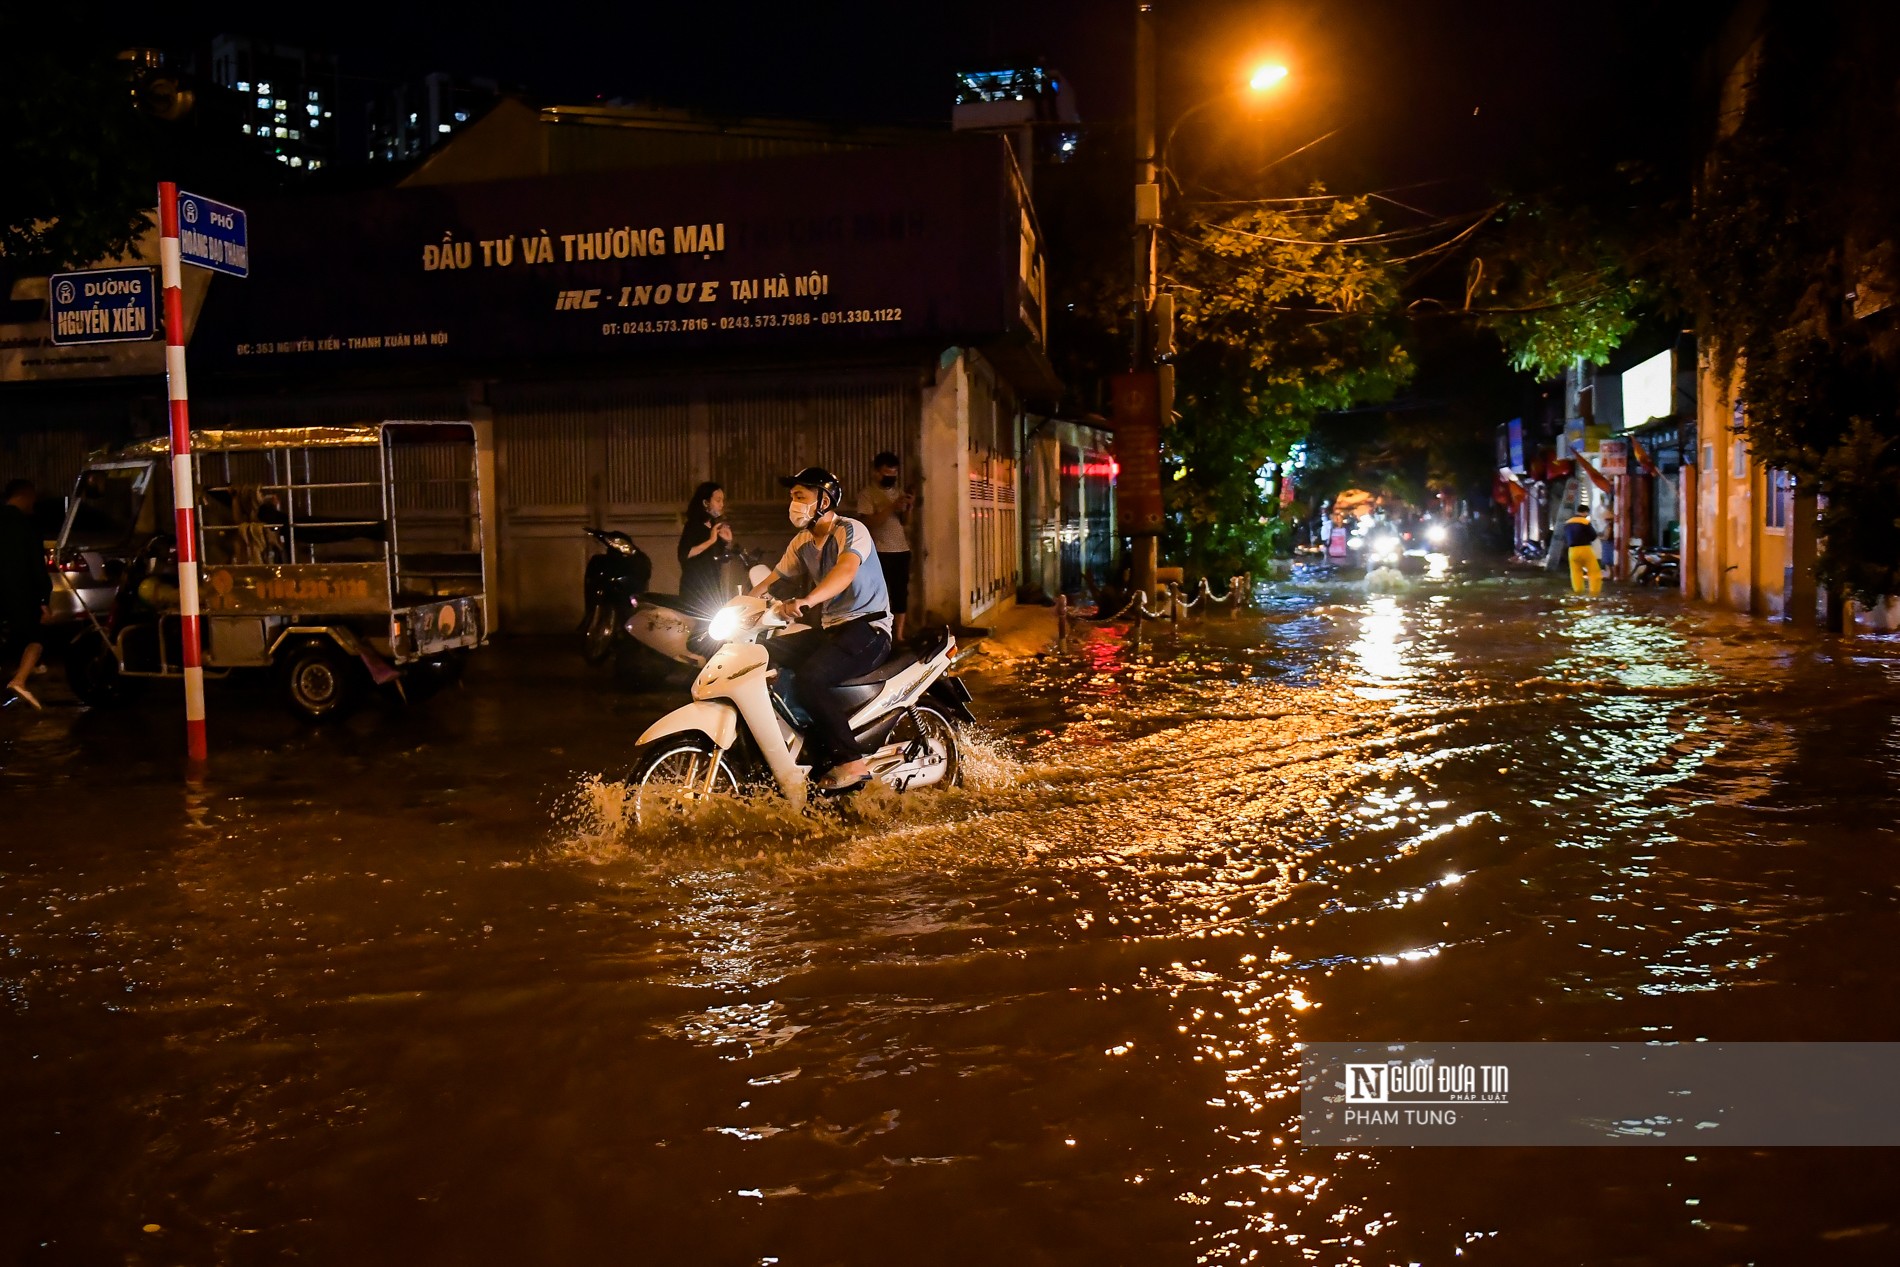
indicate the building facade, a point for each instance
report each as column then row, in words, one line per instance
column 623, row 330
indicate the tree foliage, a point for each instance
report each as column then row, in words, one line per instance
column 1555, row 284
column 1287, row 310
column 78, row 155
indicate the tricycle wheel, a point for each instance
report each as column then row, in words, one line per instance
column 321, row 683
column 92, row 670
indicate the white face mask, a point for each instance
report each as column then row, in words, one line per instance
column 800, row 514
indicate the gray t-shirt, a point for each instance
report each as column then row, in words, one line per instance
column 865, row 596
column 892, row 536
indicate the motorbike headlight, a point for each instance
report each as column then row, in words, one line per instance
column 724, row 624
column 1436, row 534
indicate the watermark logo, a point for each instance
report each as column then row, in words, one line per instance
column 1366, row 1084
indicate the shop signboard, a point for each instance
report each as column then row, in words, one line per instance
column 1135, row 401
column 1516, row 431
column 1613, row 457
column 1649, row 391
column 929, row 244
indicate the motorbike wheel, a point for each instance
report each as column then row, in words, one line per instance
column 669, row 779
column 939, row 735
column 597, row 634
column 320, row 682
column 92, row 670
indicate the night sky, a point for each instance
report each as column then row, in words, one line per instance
column 1425, row 89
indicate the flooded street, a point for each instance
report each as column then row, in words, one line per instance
column 411, row 990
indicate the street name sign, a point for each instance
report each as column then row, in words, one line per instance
column 104, row 305
column 213, row 235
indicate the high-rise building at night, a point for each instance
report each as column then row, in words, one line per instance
column 407, row 120
column 288, row 97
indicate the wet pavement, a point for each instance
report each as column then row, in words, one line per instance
column 409, row 989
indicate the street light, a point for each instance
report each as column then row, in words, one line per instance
column 1151, row 404
column 1264, row 80
column 1267, row 77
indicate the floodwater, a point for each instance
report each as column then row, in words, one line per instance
column 410, row 991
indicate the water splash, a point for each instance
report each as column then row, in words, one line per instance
column 596, row 822
column 1387, row 581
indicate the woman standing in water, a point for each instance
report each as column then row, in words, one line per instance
column 705, row 543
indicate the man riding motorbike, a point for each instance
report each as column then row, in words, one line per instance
column 835, row 559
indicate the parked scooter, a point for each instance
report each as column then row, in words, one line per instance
column 612, row 587
column 1661, row 568
column 648, row 635
column 745, row 727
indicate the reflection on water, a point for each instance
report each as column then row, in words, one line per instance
column 363, row 1003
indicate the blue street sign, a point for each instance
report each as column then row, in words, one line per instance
column 212, row 235
column 104, row 305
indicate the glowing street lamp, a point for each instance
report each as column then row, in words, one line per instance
column 1267, row 77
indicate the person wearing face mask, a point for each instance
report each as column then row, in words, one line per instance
column 885, row 510
column 835, row 560
column 705, row 543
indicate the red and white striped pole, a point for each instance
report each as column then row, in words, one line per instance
column 184, row 497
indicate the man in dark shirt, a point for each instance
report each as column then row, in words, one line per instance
column 25, row 586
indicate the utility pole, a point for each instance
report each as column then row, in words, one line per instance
column 1147, row 228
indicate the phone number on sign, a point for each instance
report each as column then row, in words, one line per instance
column 765, row 320
column 850, row 316
column 665, row 326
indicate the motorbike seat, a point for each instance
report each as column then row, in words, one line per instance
column 662, row 600
column 885, row 671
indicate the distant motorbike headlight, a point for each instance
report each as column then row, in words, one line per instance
column 725, row 624
column 1436, row 534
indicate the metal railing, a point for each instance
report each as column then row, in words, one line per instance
column 1173, row 607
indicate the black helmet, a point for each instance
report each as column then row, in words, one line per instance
column 830, row 491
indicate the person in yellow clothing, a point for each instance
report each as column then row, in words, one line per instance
column 1581, row 536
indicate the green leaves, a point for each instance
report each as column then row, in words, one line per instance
column 1288, row 309
column 1554, row 285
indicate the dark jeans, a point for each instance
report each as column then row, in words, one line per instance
column 896, row 567
column 820, row 659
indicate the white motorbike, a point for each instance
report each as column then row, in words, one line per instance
column 744, row 729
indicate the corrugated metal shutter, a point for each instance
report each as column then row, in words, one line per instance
column 548, row 460
column 649, row 449
column 627, row 455
column 761, row 431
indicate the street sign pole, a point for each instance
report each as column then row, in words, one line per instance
column 184, row 498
